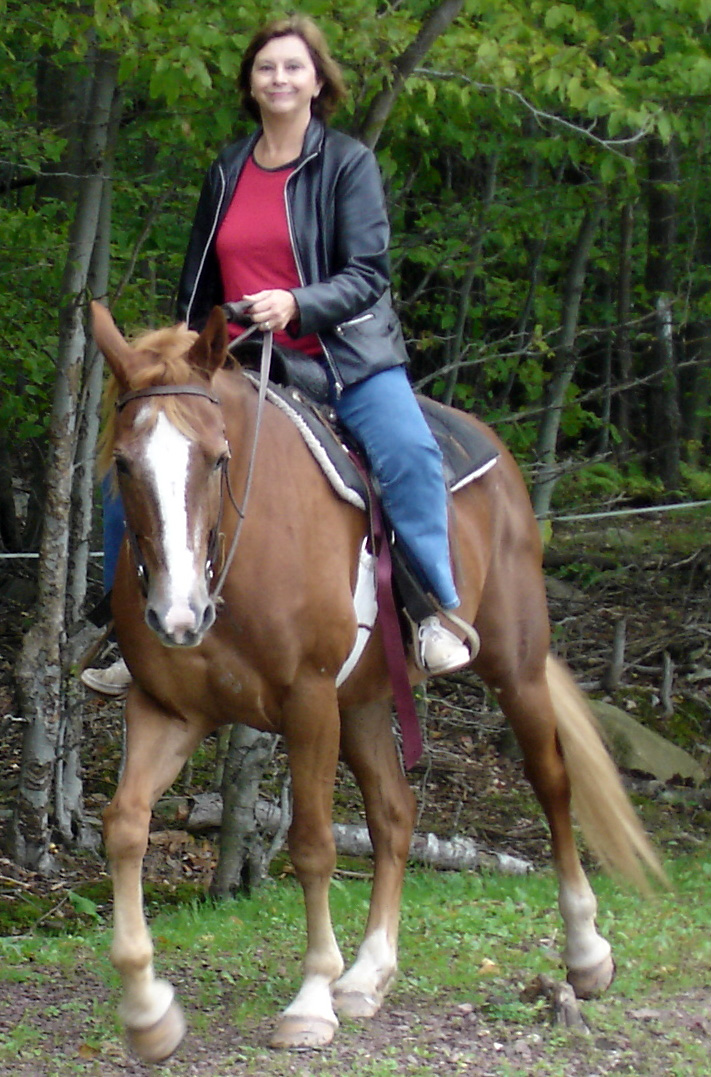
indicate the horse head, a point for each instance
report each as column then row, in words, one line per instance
column 170, row 453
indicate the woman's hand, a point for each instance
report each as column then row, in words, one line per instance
column 272, row 309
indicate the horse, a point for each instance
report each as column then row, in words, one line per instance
column 270, row 652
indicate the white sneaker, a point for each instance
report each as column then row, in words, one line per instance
column 112, row 681
column 438, row 649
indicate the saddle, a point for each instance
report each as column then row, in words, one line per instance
column 299, row 387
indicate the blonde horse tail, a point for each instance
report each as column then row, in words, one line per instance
column 600, row 804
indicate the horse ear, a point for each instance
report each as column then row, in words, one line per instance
column 110, row 342
column 209, row 351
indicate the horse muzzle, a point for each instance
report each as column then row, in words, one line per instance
column 181, row 624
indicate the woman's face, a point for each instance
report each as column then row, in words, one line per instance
column 283, row 79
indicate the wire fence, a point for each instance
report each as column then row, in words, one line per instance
column 574, row 517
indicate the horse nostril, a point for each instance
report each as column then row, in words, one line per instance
column 208, row 617
column 152, row 619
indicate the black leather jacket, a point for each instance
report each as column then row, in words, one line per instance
column 339, row 232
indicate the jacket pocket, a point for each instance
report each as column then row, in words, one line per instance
column 359, row 319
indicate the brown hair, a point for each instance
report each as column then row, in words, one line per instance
column 333, row 88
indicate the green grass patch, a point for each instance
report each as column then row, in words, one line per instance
column 470, row 943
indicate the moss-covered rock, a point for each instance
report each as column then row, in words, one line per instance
column 635, row 747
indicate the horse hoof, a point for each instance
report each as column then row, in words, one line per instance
column 355, row 1004
column 158, row 1042
column 590, row 983
column 303, row 1032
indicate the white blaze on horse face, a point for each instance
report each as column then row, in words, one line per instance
column 167, row 458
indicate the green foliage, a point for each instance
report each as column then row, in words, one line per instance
column 601, row 483
column 518, row 116
column 697, row 482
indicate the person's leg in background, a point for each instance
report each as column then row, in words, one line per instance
column 115, row 679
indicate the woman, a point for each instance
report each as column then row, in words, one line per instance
column 293, row 220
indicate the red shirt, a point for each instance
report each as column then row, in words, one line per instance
column 253, row 244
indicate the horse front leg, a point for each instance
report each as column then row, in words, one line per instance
column 586, row 954
column 157, row 745
column 312, row 733
column 369, row 749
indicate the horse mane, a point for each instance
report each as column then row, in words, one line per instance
column 163, row 362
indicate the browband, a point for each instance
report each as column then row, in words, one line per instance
column 164, row 390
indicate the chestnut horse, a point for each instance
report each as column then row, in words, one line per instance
column 269, row 653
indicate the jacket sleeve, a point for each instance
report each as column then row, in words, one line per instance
column 355, row 239
column 200, row 285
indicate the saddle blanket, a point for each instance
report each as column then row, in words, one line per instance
column 467, row 452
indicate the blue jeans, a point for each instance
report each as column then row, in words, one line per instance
column 114, row 526
column 383, row 415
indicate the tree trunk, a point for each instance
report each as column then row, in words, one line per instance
column 606, row 381
column 242, row 860
column 624, row 306
column 440, row 17
column 9, row 526
column 564, row 367
column 90, row 409
column 40, row 665
column 696, row 391
column 62, row 101
column 455, row 350
column 663, row 414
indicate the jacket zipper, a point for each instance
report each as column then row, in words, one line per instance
column 355, row 321
column 337, row 383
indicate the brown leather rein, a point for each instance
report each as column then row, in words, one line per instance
column 215, row 532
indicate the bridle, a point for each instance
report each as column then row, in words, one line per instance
column 215, row 532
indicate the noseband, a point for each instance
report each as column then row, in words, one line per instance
column 214, row 539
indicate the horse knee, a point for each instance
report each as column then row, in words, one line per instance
column 312, row 851
column 125, row 832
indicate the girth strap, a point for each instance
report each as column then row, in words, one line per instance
column 392, row 635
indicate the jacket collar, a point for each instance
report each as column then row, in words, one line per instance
column 236, row 157
column 313, row 139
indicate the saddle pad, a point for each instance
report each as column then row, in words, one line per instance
column 467, row 451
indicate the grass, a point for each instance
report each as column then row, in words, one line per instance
column 470, row 943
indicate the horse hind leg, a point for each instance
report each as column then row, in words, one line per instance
column 587, row 955
column 369, row 749
column 607, row 819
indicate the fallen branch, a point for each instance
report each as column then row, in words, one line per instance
column 447, row 854
column 564, row 1006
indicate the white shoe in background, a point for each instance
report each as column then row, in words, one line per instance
column 112, row 681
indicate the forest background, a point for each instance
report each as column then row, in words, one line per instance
column 546, row 169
